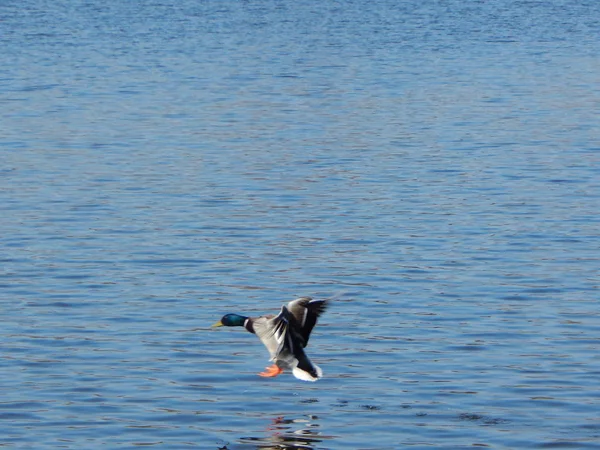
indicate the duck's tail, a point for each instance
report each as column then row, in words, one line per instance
column 307, row 371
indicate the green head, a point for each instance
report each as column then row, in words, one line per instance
column 231, row 320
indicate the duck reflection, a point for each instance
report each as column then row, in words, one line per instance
column 291, row 434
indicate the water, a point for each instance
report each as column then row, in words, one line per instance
column 433, row 164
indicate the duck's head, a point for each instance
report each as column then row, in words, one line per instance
column 231, row 320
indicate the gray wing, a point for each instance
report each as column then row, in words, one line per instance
column 305, row 312
column 274, row 332
column 281, row 339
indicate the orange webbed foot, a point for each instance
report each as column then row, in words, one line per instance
column 271, row 371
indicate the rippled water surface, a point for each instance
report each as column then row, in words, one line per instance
column 434, row 165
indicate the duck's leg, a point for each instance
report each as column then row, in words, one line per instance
column 271, row 371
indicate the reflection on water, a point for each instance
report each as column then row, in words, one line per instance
column 292, row 434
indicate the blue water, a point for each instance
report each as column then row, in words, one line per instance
column 434, row 165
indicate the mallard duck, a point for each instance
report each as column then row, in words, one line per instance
column 285, row 336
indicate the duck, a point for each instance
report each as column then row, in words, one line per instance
column 285, row 336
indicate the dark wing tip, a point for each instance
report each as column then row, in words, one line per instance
column 317, row 307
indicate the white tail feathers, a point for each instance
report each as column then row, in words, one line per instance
column 305, row 376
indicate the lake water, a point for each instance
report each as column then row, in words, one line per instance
column 434, row 165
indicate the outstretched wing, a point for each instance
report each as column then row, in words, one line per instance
column 305, row 312
column 285, row 338
column 274, row 332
